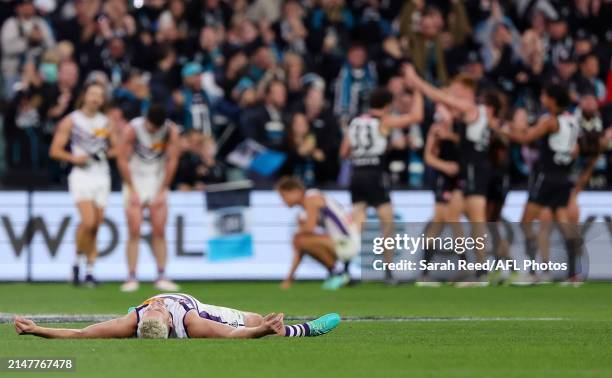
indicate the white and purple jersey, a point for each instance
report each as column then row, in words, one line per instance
column 90, row 136
column 178, row 305
column 336, row 222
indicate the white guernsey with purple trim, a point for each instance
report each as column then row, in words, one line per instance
column 338, row 224
column 178, row 305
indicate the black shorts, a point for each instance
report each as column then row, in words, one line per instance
column 550, row 190
column 371, row 186
column 498, row 186
column 443, row 187
column 474, row 179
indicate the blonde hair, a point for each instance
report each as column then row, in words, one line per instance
column 152, row 328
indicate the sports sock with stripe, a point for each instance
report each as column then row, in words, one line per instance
column 297, row 330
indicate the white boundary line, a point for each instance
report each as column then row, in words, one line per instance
column 89, row 318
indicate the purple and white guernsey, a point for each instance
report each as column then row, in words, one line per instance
column 178, row 305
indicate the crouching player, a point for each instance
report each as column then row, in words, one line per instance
column 339, row 239
column 182, row 316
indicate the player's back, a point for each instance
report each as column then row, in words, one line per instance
column 336, row 221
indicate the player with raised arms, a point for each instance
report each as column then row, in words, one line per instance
column 339, row 239
column 366, row 145
column 148, row 158
column 88, row 133
column 473, row 120
column 549, row 195
column 182, row 316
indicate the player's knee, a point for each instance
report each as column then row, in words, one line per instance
column 158, row 231
column 298, row 241
column 89, row 226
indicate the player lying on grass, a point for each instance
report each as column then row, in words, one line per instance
column 182, row 316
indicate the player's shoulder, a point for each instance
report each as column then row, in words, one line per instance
column 314, row 197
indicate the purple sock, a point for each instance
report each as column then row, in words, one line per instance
column 297, row 330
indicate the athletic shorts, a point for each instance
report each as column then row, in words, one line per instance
column 498, row 187
column 443, row 187
column 474, row 179
column 89, row 186
column 550, row 190
column 347, row 248
column 146, row 187
column 371, row 186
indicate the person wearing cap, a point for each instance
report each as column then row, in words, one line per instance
column 192, row 100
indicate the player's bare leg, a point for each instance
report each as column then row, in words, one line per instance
column 475, row 211
column 319, row 247
column 387, row 228
column 546, row 224
column 134, row 218
column 573, row 244
column 433, row 229
column 531, row 212
column 85, row 235
column 158, row 211
column 359, row 214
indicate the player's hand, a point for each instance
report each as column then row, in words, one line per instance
column 273, row 323
column 451, row 169
column 159, row 198
column 134, row 199
column 79, row 160
column 285, row 285
column 23, row 326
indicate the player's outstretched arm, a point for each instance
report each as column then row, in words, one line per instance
column 198, row 327
column 116, row 328
column 468, row 108
column 544, row 126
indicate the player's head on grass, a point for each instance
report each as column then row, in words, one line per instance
column 155, row 322
column 381, row 99
column 156, row 117
column 291, row 190
column 555, row 98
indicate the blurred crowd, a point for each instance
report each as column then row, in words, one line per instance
column 288, row 75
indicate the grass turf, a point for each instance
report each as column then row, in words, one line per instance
column 578, row 345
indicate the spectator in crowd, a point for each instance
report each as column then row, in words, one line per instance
column 192, row 102
column 326, row 130
column 425, row 40
column 302, row 149
column 24, row 121
column 197, row 164
column 234, row 69
column 133, row 96
column 265, row 123
column 589, row 73
column 24, row 37
column 354, row 83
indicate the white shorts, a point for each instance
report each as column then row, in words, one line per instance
column 225, row 315
column 88, row 186
column 146, row 187
column 347, row 248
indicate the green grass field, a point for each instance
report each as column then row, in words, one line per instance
column 578, row 342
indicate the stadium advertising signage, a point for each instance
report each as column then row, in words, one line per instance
column 37, row 236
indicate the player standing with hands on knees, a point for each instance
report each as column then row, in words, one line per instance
column 147, row 160
column 366, row 144
column 90, row 136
